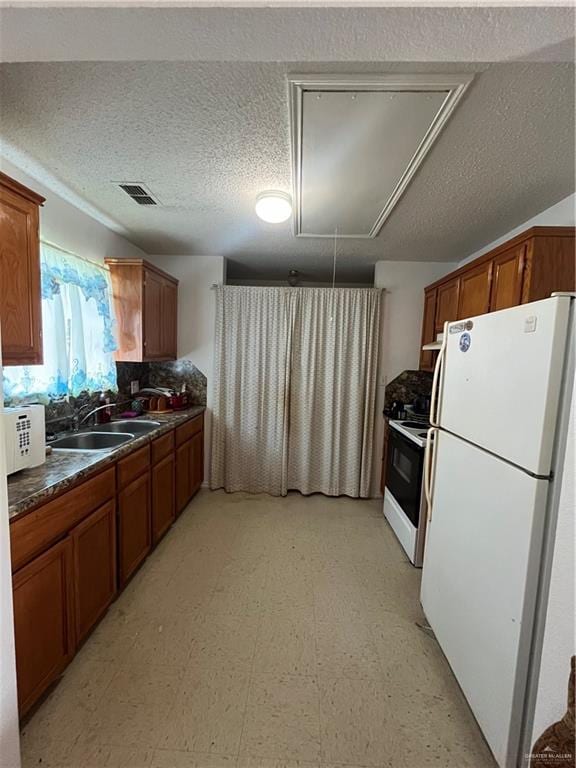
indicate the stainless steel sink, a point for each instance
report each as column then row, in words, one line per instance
column 92, row 441
column 130, row 426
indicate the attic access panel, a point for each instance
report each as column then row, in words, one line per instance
column 356, row 144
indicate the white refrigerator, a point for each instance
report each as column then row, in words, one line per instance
column 499, row 416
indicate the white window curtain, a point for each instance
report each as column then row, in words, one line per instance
column 78, row 332
column 295, row 388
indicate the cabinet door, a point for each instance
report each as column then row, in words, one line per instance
column 507, row 279
column 428, row 330
column 94, row 542
column 153, row 336
column 169, row 319
column 196, row 462
column 163, row 501
column 474, row 297
column 183, row 481
column 43, row 621
column 447, row 303
column 134, row 526
column 20, row 309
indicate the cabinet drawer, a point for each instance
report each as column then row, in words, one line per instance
column 133, row 466
column 35, row 532
column 190, row 428
column 162, row 446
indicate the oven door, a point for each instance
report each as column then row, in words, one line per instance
column 405, row 461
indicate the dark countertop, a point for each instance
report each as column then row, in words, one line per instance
column 63, row 469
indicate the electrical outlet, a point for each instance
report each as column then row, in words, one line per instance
column 134, row 386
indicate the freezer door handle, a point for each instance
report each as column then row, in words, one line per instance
column 434, row 396
column 428, row 463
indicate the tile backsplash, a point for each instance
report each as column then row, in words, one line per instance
column 167, row 374
column 407, row 386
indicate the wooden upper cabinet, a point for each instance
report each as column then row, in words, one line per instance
column 550, row 263
column 20, row 308
column 428, row 330
column 447, row 297
column 146, row 306
column 529, row 267
column 474, row 296
column 507, row 269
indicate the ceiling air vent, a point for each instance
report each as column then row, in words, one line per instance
column 138, row 192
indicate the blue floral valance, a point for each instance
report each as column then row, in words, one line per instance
column 78, row 332
column 61, row 268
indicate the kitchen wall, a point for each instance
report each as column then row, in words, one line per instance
column 562, row 214
column 66, row 226
column 196, row 318
column 403, row 304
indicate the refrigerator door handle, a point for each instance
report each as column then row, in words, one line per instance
column 434, row 396
column 428, row 461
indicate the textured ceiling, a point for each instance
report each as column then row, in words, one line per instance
column 208, row 137
column 288, row 34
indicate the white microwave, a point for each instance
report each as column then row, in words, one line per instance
column 24, row 436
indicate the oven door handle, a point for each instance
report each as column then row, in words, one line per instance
column 428, row 462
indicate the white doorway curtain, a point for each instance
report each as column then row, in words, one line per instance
column 295, row 389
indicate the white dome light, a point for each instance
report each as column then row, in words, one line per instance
column 273, row 207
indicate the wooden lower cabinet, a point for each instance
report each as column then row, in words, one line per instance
column 94, row 544
column 196, row 462
column 43, row 621
column 134, row 526
column 71, row 554
column 182, row 476
column 163, row 497
column 189, row 469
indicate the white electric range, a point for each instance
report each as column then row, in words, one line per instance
column 404, row 498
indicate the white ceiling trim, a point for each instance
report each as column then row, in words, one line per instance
column 454, row 86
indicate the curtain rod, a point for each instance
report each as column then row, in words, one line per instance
column 360, row 288
column 76, row 255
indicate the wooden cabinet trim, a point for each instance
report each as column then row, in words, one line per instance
column 19, row 189
column 133, row 465
column 143, row 264
column 34, row 532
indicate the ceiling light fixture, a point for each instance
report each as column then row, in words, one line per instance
column 273, row 207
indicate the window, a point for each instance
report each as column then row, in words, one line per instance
column 78, row 332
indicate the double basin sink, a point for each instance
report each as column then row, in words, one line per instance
column 105, row 437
